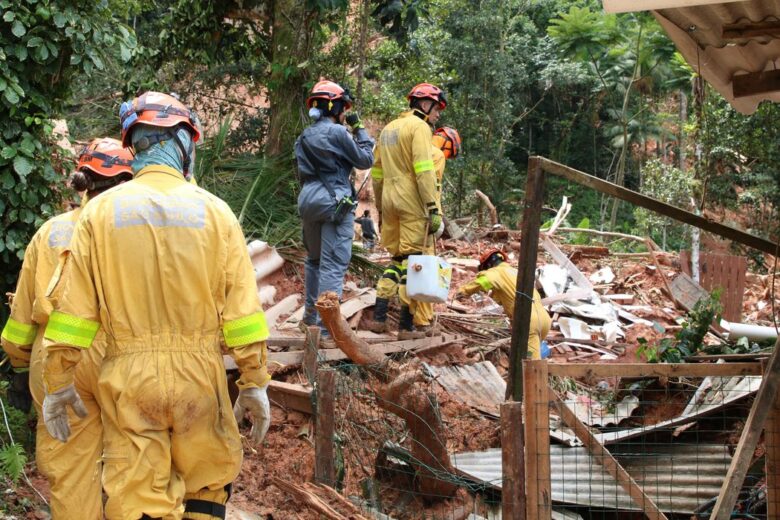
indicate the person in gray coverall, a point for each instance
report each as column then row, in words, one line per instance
column 326, row 154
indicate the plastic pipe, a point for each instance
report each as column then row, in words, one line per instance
column 746, row 330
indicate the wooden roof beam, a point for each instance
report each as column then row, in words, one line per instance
column 741, row 31
column 755, row 83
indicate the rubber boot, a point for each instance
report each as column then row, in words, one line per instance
column 430, row 330
column 379, row 323
column 405, row 326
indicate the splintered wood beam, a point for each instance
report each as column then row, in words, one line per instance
column 662, row 208
column 755, row 83
column 740, row 31
column 605, row 458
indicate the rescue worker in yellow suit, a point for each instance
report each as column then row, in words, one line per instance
column 499, row 278
column 446, row 144
column 73, row 469
column 404, row 181
column 162, row 267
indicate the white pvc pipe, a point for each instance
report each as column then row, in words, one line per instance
column 267, row 263
column 255, row 247
column 751, row 332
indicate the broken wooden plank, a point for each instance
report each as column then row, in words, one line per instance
column 578, row 370
column 743, row 456
column 610, row 464
column 329, row 355
column 290, row 396
column 561, row 259
column 680, row 215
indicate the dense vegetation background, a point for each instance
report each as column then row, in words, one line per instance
column 607, row 94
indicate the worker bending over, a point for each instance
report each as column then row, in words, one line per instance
column 73, row 469
column 446, row 144
column 161, row 266
column 326, row 154
column 499, row 278
column 404, row 181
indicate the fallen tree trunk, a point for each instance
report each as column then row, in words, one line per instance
column 398, row 393
column 491, row 208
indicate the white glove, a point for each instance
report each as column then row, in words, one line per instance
column 55, row 411
column 255, row 401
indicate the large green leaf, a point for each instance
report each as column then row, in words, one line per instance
column 23, row 166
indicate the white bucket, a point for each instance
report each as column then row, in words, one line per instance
column 428, row 278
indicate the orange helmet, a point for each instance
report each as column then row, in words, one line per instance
column 330, row 91
column 448, row 141
column 428, row 91
column 106, row 157
column 156, row 109
column 487, row 256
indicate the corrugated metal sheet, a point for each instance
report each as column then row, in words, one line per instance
column 698, row 34
column 479, row 385
column 677, row 477
column 713, row 393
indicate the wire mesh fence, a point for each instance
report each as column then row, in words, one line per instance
column 612, row 447
column 647, row 446
column 388, row 451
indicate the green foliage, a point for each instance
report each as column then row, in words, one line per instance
column 12, row 461
column 258, row 189
column 689, row 340
column 43, row 44
column 667, row 184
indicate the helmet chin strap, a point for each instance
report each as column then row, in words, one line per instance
column 185, row 153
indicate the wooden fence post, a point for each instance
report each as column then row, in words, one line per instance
column 311, row 346
column 324, row 470
column 526, row 270
column 512, row 462
column 537, row 440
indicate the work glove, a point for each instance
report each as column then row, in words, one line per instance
column 55, row 411
column 436, row 227
column 19, row 395
column 255, row 401
column 353, row 120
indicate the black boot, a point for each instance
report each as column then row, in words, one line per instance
column 379, row 323
column 406, row 327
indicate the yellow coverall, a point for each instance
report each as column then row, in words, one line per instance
column 73, row 468
column 394, row 277
column 162, row 267
column 501, row 282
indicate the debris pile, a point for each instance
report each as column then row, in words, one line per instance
column 606, row 308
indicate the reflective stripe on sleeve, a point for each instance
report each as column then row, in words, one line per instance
column 71, row 330
column 377, row 174
column 19, row 333
column 484, row 283
column 423, row 166
column 246, row 330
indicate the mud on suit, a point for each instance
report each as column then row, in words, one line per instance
column 501, row 282
column 329, row 148
column 161, row 266
column 73, row 469
column 393, row 280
